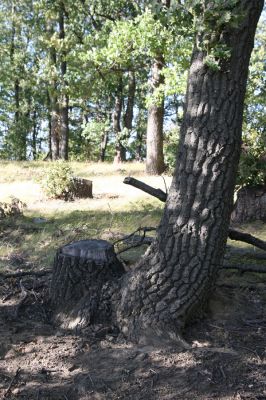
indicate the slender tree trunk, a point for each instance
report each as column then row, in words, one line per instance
column 154, row 141
column 19, row 142
column 64, row 100
column 64, row 128
column 54, row 127
column 120, row 151
column 49, row 127
column 139, row 147
column 104, row 141
column 178, row 271
column 53, row 100
column 34, row 135
column 154, row 156
column 129, row 114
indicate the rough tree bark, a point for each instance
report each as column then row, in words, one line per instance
column 178, row 271
column 80, row 271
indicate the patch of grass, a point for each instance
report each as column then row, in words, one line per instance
column 38, row 241
column 12, row 171
column 115, row 210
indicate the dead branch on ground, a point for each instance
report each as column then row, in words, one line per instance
column 158, row 193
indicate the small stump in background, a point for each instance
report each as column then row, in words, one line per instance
column 82, row 188
column 81, row 269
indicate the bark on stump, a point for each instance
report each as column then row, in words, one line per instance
column 250, row 204
column 83, row 282
column 82, row 188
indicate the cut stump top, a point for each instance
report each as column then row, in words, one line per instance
column 94, row 249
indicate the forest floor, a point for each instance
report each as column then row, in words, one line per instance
column 40, row 361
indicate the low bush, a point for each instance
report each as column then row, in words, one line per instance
column 58, row 181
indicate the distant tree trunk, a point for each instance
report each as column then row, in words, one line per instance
column 154, row 156
column 64, row 127
column 139, row 147
column 64, row 98
column 104, row 141
column 128, row 117
column 53, row 100
column 154, row 141
column 54, row 127
column 120, row 151
column 34, row 135
column 19, row 142
column 49, row 126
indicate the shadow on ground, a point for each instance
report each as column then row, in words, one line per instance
column 40, row 361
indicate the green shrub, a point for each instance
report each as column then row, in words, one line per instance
column 252, row 165
column 171, row 141
column 58, row 182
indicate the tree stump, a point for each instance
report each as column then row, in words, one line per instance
column 82, row 188
column 81, row 270
column 250, row 204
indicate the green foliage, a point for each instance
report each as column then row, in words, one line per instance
column 252, row 166
column 58, row 181
column 211, row 20
column 171, row 140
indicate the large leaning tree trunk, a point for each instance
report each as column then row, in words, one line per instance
column 178, row 271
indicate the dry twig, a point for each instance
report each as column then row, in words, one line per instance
column 15, row 377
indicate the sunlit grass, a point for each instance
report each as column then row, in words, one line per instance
column 116, row 210
column 13, row 171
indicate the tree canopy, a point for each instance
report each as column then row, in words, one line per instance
column 76, row 77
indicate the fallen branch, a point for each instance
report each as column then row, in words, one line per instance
column 247, row 238
column 158, row 193
column 136, row 240
column 25, row 273
column 246, row 268
column 254, row 255
column 15, row 377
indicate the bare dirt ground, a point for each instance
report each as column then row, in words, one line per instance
column 39, row 361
